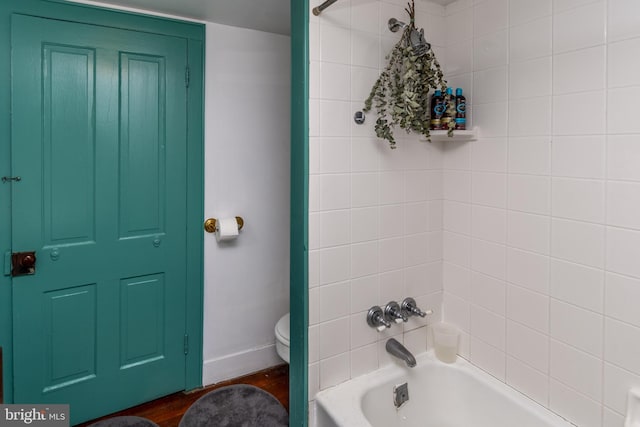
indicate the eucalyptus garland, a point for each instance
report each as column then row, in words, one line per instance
column 401, row 93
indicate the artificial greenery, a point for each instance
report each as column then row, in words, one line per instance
column 401, row 93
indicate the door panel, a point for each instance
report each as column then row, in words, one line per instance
column 68, row 144
column 142, row 324
column 142, row 145
column 99, row 138
column 70, row 336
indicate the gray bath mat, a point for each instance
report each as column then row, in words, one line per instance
column 125, row 422
column 238, row 405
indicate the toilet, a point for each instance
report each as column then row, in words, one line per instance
column 282, row 337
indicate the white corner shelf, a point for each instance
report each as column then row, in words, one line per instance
column 443, row 2
column 458, row 135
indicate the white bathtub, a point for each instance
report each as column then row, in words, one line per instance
column 440, row 395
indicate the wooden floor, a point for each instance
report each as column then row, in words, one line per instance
column 167, row 411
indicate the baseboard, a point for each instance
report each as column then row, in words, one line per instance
column 238, row 364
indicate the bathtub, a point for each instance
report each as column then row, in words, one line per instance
column 440, row 395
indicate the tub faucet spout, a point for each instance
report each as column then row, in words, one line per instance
column 396, row 349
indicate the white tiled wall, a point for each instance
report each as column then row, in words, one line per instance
column 375, row 214
column 542, row 214
column 530, row 236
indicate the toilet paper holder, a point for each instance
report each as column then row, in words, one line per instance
column 211, row 224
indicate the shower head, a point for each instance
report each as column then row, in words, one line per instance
column 416, row 38
column 395, row 25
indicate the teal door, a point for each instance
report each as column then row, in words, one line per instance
column 99, row 141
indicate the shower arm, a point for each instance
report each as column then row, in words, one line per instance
column 318, row 9
column 416, row 38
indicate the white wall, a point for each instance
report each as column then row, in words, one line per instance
column 542, row 214
column 375, row 222
column 246, row 174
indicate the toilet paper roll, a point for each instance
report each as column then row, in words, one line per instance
column 227, row 229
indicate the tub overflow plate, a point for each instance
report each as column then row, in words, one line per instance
column 400, row 395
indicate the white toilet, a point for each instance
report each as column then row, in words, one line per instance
column 282, row 337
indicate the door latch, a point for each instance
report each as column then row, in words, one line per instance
column 6, row 179
column 23, row 263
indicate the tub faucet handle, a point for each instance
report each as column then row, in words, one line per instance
column 375, row 319
column 394, row 313
column 410, row 307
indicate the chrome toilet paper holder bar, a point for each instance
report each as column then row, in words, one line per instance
column 211, row 224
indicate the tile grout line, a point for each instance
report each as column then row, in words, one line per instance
column 606, row 219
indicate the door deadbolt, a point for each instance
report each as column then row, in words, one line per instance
column 23, row 263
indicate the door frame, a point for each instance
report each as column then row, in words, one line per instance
column 194, row 34
column 299, row 257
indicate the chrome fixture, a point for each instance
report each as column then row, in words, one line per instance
column 393, row 313
column 410, row 308
column 416, row 38
column 318, row 9
column 400, row 394
column 375, row 319
column 359, row 117
column 395, row 25
column 396, row 349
